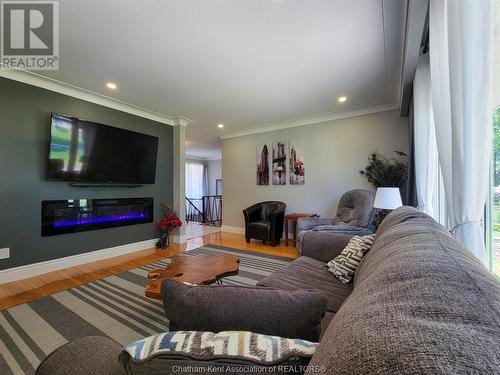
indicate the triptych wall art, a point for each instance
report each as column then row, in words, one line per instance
column 262, row 165
column 275, row 154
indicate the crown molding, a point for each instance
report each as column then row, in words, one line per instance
column 201, row 158
column 183, row 121
column 195, row 158
column 38, row 80
column 313, row 120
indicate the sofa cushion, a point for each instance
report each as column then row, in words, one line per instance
column 215, row 308
column 308, row 273
column 259, row 228
column 244, row 350
column 323, row 246
column 421, row 304
column 260, row 224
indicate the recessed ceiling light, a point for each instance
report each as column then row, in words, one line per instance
column 342, row 99
column 111, row 85
column 220, row 126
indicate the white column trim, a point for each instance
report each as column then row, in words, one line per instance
column 183, row 121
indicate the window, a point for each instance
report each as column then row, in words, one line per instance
column 194, row 180
column 495, row 197
column 493, row 211
column 218, row 186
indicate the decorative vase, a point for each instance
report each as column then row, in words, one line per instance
column 162, row 241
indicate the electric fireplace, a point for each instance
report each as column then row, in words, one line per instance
column 79, row 215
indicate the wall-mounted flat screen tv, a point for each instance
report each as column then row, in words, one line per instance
column 87, row 152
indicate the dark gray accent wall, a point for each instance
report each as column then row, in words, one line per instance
column 24, row 131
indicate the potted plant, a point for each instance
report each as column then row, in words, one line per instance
column 383, row 171
column 166, row 226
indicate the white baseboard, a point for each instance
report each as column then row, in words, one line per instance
column 30, row 270
column 230, row 229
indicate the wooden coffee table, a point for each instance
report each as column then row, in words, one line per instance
column 195, row 270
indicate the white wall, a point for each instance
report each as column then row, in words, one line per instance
column 334, row 153
column 214, row 173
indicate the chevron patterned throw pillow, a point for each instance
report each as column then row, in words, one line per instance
column 346, row 263
column 204, row 348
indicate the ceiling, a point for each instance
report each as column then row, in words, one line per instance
column 246, row 63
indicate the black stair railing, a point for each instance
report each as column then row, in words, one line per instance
column 193, row 210
column 206, row 210
column 212, row 208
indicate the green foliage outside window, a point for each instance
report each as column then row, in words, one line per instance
column 496, row 192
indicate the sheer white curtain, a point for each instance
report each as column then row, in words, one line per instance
column 194, row 180
column 426, row 157
column 461, row 35
column 206, row 183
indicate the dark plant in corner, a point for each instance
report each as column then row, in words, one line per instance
column 166, row 225
column 383, row 171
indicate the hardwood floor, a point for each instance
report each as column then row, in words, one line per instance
column 22, row 291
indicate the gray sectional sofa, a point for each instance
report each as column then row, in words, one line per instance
column 420, row 304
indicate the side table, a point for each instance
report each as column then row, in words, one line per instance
column 292, row 218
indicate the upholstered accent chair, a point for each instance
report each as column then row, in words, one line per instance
column 354, row 218
column 264, row 221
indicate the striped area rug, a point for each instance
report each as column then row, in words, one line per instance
column 114, row 307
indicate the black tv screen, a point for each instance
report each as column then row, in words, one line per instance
column 87, row 152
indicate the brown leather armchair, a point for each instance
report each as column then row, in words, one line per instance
column 264, row 221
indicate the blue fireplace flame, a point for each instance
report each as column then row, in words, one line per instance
column 70, row 223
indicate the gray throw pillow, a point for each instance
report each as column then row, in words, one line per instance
column 270, row 311
column 344, row 266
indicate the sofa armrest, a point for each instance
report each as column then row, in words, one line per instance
column 269, row 311
column 308, row 223
column 323, row 246
column 89, row 355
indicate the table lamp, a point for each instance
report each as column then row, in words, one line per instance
column 386, row 199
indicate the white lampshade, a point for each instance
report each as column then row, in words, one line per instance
column 387, row 198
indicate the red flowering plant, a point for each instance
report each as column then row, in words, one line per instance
column 166, row 225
